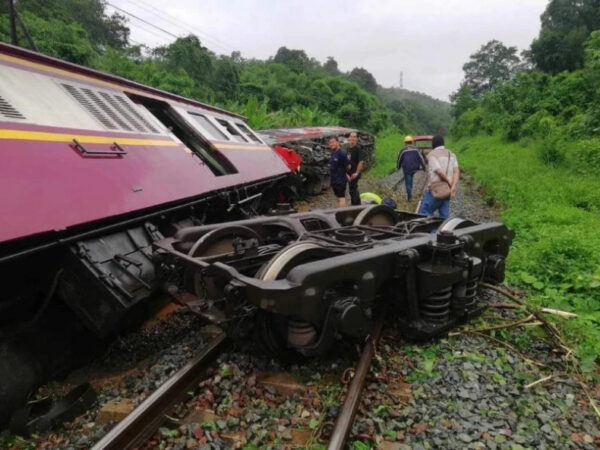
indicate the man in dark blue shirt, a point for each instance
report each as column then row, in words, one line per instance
column 339, row 164
column 410, row 160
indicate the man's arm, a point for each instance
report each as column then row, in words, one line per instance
column 347, row 161
column 443, row 176
column 360, row 166
column 455, row 176
column 399, row 161
column 423, row 164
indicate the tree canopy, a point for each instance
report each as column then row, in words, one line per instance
column 566, row 25
column 492, row 64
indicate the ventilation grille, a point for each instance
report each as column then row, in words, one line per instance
column 111, row 110
column 8, row 110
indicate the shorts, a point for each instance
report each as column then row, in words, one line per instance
column 339, row 189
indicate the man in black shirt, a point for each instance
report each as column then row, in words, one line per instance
column 357, row 164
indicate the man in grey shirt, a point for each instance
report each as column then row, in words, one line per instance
column 442, row 166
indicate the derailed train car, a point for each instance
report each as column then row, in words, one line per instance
column 111, row 191
column 94, row 169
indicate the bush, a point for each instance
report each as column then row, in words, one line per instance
column 550, row 152
column 553, row 210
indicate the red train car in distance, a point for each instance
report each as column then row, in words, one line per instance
column 80, row 146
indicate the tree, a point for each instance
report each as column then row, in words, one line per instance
column 592, row 52
column 294, row 59
column 188, row 54
column 226, row 78
column 493, row 63
column 566, row 24
column 364, row 78
column 461, row 100
column 331, row 66
column 90, row 15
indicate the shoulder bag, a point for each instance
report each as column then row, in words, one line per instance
column 441, row 189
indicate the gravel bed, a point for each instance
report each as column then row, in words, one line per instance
column 471, row 391
column 470, row 201
column 131, row 368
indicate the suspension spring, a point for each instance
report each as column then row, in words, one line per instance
column 471, row 293
column 436, row 307
column 464, row 296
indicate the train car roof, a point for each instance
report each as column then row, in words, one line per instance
column 28, row 55
column 278, row 135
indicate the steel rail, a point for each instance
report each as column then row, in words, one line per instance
column 147, row 417
column 345, row 418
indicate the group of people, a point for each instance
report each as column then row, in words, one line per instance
column 440, row 164
column 345, row 169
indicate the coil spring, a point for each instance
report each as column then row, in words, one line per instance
column 470, row 297
column 468, row 300
column 436, row 307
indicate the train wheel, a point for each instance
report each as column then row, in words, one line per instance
column 376, row 215
column 277, row 335
column 217, row 242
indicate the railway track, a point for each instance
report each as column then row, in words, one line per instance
column 345, row 419
column 143, row 422
column 149, row 415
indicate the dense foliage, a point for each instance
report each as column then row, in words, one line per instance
column 566, row 25
column 286, row 90
column 415, row 112
column 532, row 140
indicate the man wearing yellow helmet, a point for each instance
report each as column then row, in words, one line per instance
column 410, row 160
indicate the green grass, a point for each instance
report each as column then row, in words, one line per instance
column 555, row 215
column 386, row 153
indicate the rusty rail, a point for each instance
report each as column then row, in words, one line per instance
column 345, row 419
column 148, row 416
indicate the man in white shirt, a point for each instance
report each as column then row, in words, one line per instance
column 442, row 166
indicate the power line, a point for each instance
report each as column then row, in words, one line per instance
column 179, row 23
column 162, row 40
column 142, row 20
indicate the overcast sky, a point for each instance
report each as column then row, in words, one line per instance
column 427, row 40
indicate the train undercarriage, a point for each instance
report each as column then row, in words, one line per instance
column 297, row 281
column 315, row 277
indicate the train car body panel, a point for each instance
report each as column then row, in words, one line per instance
column 279, row 135
column 78, row 149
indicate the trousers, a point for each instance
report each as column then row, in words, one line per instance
column 429, row 205
column 408, row 184
column 354, row 194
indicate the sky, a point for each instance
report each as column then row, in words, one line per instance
column 427, row 40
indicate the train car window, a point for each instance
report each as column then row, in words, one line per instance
column 208, row 127
column 185, row 132
column 232, row 130
column 248, row 132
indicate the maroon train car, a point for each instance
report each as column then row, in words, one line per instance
column 94, row 168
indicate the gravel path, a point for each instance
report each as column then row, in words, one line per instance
column 469, row 201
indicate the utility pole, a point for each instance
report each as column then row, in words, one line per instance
column 401, row 80
column 13, row 22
